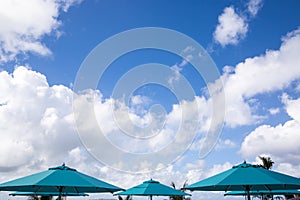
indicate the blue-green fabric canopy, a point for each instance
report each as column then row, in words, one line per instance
column 262, row 192
column 59, row 180
column 152, row 188
column 46, row 194
column 246, row 177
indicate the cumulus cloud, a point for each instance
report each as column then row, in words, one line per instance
column 36, row 121
column 287, row 168
column 231, row 27
column 218, row 168
column 273, row 71
column 38, row 131
column 292, row 107
column 39, row 119
column 150, row 141
column 139, row 105
column 34, row 114
column 268, row 139
column 25, row 23
column 280, row 142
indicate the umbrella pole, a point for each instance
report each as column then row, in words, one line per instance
column 60, row 191
column 248, row 192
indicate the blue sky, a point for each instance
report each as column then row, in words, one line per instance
column 253, row 44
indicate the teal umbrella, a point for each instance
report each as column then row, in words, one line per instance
column 152, row 188
column 60, row 180
column 262, row 192
column 246, row 177
column 46, row 194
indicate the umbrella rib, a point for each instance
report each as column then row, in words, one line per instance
column 267, row 187
column 227, row 188
column 39, row 188
column 76, row 189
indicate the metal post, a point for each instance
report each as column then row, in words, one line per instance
column 59, row 192
column 248, row 192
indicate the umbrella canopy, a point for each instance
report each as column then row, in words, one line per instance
column 262, row 192
column 61, row 179
column 152, row 188
column 246, row 177
column 46, row 194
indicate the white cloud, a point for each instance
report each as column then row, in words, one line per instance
column 280, row 142
column 254, row 6
column 274, row 111
column 292, row 107
column 187, row 55
column 48, row 112
column 218, row 168
column 139, row 105
column 176, row 74
column 38, row 118
column 66, row 4
column 34, row 113
column 138, row 99
column 177, row 68
column 231, row 27
column 33, row 117
column 25, row 23
column 273, row 71
column 225, row 144
column 186, row 60
column 287, row 168
column 177, row 128
column 196, row 165
column 188, row 49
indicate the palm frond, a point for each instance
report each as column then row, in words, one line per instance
column 173, row 185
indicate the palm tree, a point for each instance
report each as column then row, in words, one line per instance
column 267, row 162
column 128, row 197
column 181, row 189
